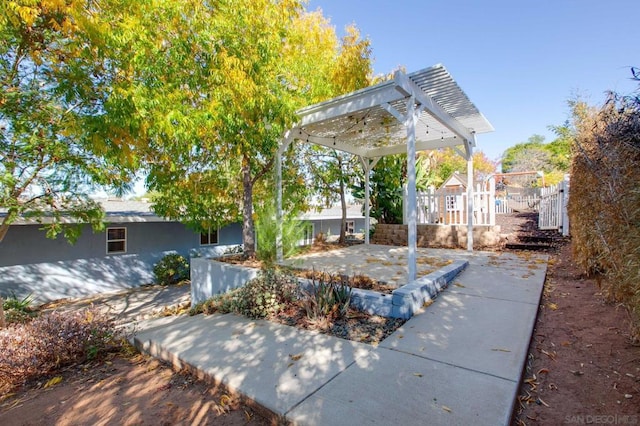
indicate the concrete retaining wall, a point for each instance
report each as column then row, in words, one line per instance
column 446, row 236
column 210, row 277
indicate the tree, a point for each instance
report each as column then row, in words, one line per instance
column 218, row 100
column 447, row 161
column 553, row 159
column 387, row 181
column 62, row 129
column 332, row 172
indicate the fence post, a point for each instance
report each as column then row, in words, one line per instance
column 565, row 205
column 492, row 201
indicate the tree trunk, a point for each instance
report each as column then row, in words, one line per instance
column 4, row 228
column 6, row 223
column 343, row 204
column 248, row 229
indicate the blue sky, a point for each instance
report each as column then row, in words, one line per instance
column 518, row 61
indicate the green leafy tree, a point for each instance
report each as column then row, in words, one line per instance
column 387, row 182
column 553, row 159
column 447, row 161
column 332, row 172
column 215, row 87
column 63, row 128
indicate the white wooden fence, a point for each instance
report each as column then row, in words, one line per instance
column 553, row 207
column 448, row 206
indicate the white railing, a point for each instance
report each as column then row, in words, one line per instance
column 448, row 206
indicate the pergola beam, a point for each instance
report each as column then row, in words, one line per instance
column 435, row 110
column 334, row 143
column 284, row 144
column 420, row 146
column 345, row 105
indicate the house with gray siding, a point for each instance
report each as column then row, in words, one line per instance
column 122, row 256
column 328, row 221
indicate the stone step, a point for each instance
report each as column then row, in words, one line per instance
column 529, row 246
column 537, row 239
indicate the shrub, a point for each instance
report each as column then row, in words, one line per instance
column 604, row 200
column 171, row 269
column 222, row 303
column 52, row 341
column 267, row 231
column 261, row 297
column 18, row 310
column 266, row 294
column 329, row 297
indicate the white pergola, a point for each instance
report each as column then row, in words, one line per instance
column 412, row 112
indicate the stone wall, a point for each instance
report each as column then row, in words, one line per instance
column 446, row 236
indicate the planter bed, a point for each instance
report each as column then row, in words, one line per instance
column 210, row 277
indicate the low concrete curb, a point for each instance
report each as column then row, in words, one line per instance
column 405, row 301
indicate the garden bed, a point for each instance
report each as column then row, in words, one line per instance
column 377, row 298
column 354, row 281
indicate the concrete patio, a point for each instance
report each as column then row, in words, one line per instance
column 458, row 362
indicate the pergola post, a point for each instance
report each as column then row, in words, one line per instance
column 412, row 220
column 286, row 141
column 367, row 166
column 469, row 148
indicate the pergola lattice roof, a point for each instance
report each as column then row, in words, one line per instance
column 411, row 112
column 369, row 122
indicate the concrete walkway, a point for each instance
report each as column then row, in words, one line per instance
column 458, row 362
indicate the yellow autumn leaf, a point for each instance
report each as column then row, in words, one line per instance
column 53, row 381
column 224, row 400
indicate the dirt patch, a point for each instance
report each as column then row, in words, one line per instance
column 582, row 366
column 355, row 281
column 126, row 391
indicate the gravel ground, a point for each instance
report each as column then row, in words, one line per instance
column 355, row 325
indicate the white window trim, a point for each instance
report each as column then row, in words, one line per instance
column 209, row 238
column 116, row 240
column 452, row 203
column 311, row 236
column 350, row 224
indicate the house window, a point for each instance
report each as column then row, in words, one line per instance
column 209, row 238
column 349, row 227
column 451, row 203
column 307, row 234
column 116, row 240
